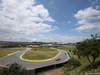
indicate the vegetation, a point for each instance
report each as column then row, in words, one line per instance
column 72, row 63
column 9, row 46
column 1, row 67
column 39, row 55
column 84, row 67
column 56, row 46
column 14, row 69
column 43, row 49
column 4, row 52
column 1, row 46
column 89, row 47
column 75, row 52
column 13, row 45
column 66, row 48
column 88, row 52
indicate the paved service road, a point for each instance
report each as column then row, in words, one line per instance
column 33, row 65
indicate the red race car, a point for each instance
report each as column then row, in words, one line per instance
column 57, row 59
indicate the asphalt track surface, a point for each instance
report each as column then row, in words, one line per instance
column 33, row 65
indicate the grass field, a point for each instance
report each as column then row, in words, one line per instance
column 0, row 45
column 43, row 49
column 4, row 52
column 65, row 48
column 39, row 55
column 84, row 68
column 1, row 67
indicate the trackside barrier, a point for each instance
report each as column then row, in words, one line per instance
column 46, row 68
column 71, row 56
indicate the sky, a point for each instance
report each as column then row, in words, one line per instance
column 67, row 21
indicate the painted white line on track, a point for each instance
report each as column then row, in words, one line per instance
column 12, row 53
column 9, row 54
column 3, row 66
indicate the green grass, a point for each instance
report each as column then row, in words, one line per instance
column 0, row 45
column 4, row 52
column 66, row 48
column 1, row 67
column 43, row 49
column 39, row 55
column 84, row 68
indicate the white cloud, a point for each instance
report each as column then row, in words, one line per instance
column 40, row 35
column 63, row 38
column 97, row 7
column 93, row 1
column 88, row 19
column 88, row 13
column 73, row 39
column 22, row 18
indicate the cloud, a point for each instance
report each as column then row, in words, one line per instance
column 93, row 1
column 88, row 19
column 19, row 18
column 66, row 22
column 40, row 35
column 97, row 7
column 17, row 39
column 63, row 38
column 72, row 39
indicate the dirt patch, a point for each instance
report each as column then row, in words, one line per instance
column 75, row 56
column 57, row 71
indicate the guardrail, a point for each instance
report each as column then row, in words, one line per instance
column 70, row 55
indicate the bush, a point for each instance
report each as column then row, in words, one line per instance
column 13, row 69
column 75, row 63
column 72, row 63
column 75, row 52
column 9, row 46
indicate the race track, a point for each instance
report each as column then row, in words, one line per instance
column 33, row 65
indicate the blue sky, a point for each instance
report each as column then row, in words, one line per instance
column 63, row 12
column 49, row 20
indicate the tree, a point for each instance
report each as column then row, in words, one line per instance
column 13, row 69
column 90, row 47
column 75, row 51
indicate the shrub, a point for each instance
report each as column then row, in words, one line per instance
column 13, row 69
column 72, row 63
